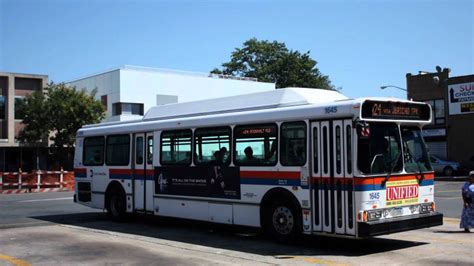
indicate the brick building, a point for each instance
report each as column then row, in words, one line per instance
column 13, row 155
column 450, row 135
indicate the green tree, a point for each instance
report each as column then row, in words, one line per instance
column 58, row 114
column 274, row 62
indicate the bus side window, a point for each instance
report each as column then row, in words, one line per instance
column 118, row 150
column 175, row 147
column 149, row 158
column 212, row 146
column 293, row 144
column 93, row 151
column 255, row 145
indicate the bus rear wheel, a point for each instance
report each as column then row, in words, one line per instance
column 282, row 221
column 116, row 205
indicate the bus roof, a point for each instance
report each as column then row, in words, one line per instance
column 253, row 101
column 285, row 103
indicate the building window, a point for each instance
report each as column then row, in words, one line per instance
column 127, row 109
column 438, row 112
column 19, row 102
column 103, row 101
column 27, row 84
column 2, row 107
column 256, row 145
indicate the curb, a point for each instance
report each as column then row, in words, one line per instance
column 18, row 191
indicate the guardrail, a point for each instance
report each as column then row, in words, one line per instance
column 37, row 181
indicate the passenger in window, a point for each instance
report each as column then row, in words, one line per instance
column 218, row 157
column 224, row 155
column 97, row 157
column 249, row 155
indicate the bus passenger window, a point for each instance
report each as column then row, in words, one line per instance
column 212, row 146
column 255, row 145
column 293, row 144
column 118, row 150
column 176, row 147
column 149, row 158
column 93, row 151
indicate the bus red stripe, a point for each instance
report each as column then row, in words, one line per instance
column 120, row 171
column 371, row 180
column 270, row 175
column 80, row 170
column 141, row 172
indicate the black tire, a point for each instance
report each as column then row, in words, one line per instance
column 116, row 205
column 448, row 171
column 282, row 221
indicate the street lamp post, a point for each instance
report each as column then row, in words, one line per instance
column 392, row 86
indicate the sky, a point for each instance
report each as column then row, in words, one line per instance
column 360, row 45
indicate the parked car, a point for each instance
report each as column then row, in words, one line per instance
column 447, row 168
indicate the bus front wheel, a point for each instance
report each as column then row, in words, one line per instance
column 116, row 205
column 282, row 221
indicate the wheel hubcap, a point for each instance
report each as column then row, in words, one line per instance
column 283, row 220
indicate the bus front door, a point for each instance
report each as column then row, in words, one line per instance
column 332, row 197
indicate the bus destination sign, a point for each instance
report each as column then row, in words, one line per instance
column 395, row 111
column 256, row 131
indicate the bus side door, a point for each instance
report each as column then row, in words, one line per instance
column 139, row 168
column 332, row 194
column 143, row 171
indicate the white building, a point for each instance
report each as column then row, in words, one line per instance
column 129, row 91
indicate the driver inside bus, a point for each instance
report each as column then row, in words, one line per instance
column 381, row 157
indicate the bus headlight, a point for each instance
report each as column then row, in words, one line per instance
column 414, row 208
column 426, row 208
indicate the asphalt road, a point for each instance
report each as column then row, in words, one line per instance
column 49, row 228
column 448, row 198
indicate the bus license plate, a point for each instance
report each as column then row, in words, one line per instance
column 396, row 212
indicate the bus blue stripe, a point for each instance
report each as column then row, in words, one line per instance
column 369, row 187
column 120, row 176
column 267, row 181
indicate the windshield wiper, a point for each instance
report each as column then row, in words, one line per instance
column 392, row 167
column 417, row 165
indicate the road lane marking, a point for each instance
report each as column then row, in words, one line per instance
column 13, row 260
column 36, row 200
column 318, row 261
column 450, row 198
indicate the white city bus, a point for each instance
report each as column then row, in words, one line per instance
column 290, row 161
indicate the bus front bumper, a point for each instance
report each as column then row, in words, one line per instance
column 400, row 224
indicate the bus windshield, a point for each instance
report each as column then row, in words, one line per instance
column 379, row 149
column 415, row 155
